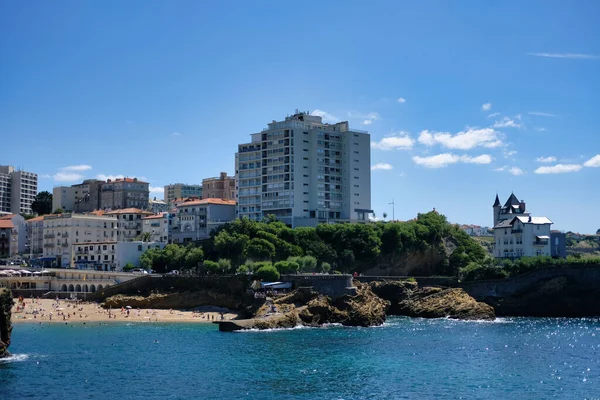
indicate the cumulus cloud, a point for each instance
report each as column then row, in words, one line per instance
column 381, row 167
column 492, row 115
column 175, row 134
column 509, row 153
column 511, row 170
column 401, row 100
column 367, row 119
column 328, row 118
column 507, row 123
column 445, row 159
column 399, row 141
column 593, row 162
column 470, row 139
column 565, row 55
column 546, row 159
column 486, row 107
column 541, row 114
column 540, row 129
column 156, row 189
column 558, row 169
column 67, row 177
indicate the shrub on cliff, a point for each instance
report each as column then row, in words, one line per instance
column 267, row 273
column 287, row 267
column 474, row 271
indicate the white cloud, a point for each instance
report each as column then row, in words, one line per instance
column 327, row 118
column 470, row 139
column 565, row 55
column 381, row 166
column 67, row 176
column 509, row 153
column 104, row 177
column 76, row 168
column 45, row 176
column 507, row 123
column 401, row 141
column 175, row 134
column 546, row 159
column 445, row 159
column 486, row 107
column 541, row 114
column 511, row 170
column 492, row 115
column 593, row 162
column 367, row 119
column 156, row 189
column 401, row 100
column 540, row 129
column 558, row 169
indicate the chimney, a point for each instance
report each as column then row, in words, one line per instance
column 522, row 206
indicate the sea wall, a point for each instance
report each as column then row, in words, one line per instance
column 585, row 276
column 422, row 281
column 6, row 303
column 328, row 285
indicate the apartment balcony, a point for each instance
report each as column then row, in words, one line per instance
column 48, row 245
column 64, row 244
column 540, row 242
column 516, row 231
column 49, row 236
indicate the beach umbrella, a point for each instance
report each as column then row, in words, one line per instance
column 129, row 307
column 24, row 271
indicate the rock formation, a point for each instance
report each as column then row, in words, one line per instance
column 6, row 303
column 182, row 300
column 556, row 297
column 407, row 299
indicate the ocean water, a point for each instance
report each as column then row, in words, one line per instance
column 516, row 358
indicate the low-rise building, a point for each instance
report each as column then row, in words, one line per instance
column 517, row 233
column 196, row 219
column 63, row 232
column 158, row 226
column 558, row 243
column 18, row 239
column 129, row 223
column 157, row 206
column 111, row 255
column 221, row 187
column 6, row 237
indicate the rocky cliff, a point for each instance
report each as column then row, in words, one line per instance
column 408, row 299
column 556, row 297
column 6, row 303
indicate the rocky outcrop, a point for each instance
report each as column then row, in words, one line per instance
column 407, row 299
column 556, row 297
column 309, row 308
column 6, row 303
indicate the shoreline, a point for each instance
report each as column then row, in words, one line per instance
column 71, row 311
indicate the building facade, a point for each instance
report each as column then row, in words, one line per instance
column 197, row 218
column 221, row 187
column 159, row 226
column 157, row 206
column 35, row 237
column 17, row 190
column 18, row 240
column 124, row 193
column 518, row 234
column 6, row 237
column 65, row 232
column 63, row 197
column 180, row 191
column 129, row 223
column 305, row 172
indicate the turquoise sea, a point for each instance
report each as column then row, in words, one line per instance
column 516, row 358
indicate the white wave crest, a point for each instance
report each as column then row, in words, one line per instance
column 15, row 358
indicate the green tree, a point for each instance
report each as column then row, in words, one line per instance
column 260, row 249
column 287, row 267
column 128, row 267
column 267, row 273
column 224, row 265
column 42, row 204
column 242, row 270
column 59, row 210
column 325, row 267
column 193, row 258
column 212, row 267
column 144, row 237
column 174, row 255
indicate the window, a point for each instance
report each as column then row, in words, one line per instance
column 139, row 247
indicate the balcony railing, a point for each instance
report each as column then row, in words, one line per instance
column 517, row 230
column 49, row 236
column 540, row 242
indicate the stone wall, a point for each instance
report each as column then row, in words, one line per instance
column 422, row 281
column 6, row 303
column 329, row 285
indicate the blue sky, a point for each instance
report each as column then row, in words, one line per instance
column 462, row 99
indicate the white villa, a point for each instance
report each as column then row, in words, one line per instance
column 517, row 233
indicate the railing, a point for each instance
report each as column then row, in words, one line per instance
column 517, row 231
column 64, row 244
column 540, row 242
column 49, row 236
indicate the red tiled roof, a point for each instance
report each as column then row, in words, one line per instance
column 155, row 216
column 129, row 211
column 40, row 218
column 8, row 216
column 6, row 224
column 208, row 201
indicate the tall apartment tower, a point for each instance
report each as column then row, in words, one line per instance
column 17, row 190
column 305, row 172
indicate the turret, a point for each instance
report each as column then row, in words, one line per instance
column 496, row 208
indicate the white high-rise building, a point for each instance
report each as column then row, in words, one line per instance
column 17, row 190
column 305, row 172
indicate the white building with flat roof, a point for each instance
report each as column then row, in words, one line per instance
column 305, row 172
column 17, row 190
column 196, row 219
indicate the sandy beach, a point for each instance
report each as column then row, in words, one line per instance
column 71, row 311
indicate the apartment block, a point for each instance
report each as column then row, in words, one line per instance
column 159, row 226
column 220, row 187
column 124, row 193
column 181, row 191
column 17, row 190
column 64, row 233
column 35, row 237
column 195, row 219
column 305, row 172
column 129, row 223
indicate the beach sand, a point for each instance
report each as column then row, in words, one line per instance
column 70, row 311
